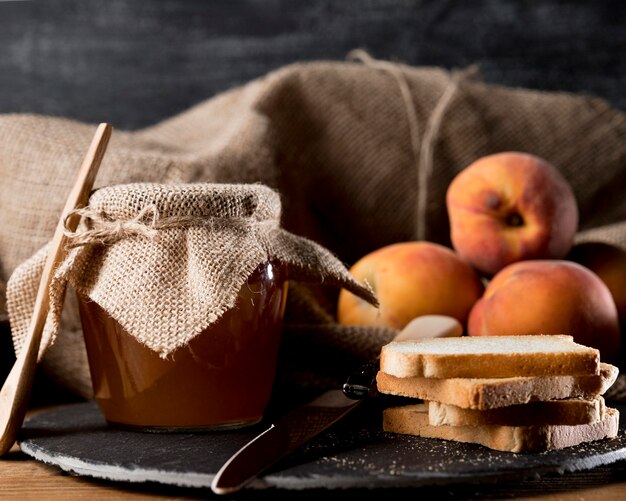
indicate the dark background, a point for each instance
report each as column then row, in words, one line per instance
column 135, row 62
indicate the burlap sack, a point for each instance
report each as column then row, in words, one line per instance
column 361, row 154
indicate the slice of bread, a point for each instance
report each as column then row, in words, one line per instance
column 413, row 420
column 490, row 393
column 570, row 411
column 489, row 357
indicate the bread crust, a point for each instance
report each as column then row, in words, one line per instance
column 413, row 420
column 569, row 411
column 490, row 393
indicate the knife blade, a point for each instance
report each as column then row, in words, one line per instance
column 309, row 420
column 293, row 430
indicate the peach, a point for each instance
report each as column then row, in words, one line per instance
column 411, row 279
column 609, row 263
column 510, row 207
column 549, row 297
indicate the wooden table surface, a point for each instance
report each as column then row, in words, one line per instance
column 23, row 478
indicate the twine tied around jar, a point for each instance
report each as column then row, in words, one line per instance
column 100, row 229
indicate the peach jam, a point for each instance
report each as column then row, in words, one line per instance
column 222, row 378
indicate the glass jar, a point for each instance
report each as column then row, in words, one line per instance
column 221, row 379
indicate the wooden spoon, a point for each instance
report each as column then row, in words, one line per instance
column 15, row 392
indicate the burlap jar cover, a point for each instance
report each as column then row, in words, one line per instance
column 361, row 154
column 166, row 261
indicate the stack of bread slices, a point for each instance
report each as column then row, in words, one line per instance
column 509, row 393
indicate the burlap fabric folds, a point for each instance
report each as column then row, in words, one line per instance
column 167, row 260
column 361, row 155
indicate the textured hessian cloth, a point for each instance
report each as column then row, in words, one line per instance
column 361, row 155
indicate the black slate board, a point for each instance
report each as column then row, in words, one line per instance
column 355, row 453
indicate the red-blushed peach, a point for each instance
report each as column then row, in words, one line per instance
column 549, row 297
column 508, row 207
column 411, row 279
column 609, row 263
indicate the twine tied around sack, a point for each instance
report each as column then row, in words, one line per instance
column 422, row 148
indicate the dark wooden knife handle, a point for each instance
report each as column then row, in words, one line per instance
column 362, row 383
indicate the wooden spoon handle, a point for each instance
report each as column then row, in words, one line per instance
column 15, row 392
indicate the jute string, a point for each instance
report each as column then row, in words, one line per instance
column 423, row 149
column 101, row 230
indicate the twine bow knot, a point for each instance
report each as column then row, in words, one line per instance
column 101, row 229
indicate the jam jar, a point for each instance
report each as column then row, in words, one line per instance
column 221, row 379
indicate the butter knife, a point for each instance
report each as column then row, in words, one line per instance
column 293, row 430
column 309, row 420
